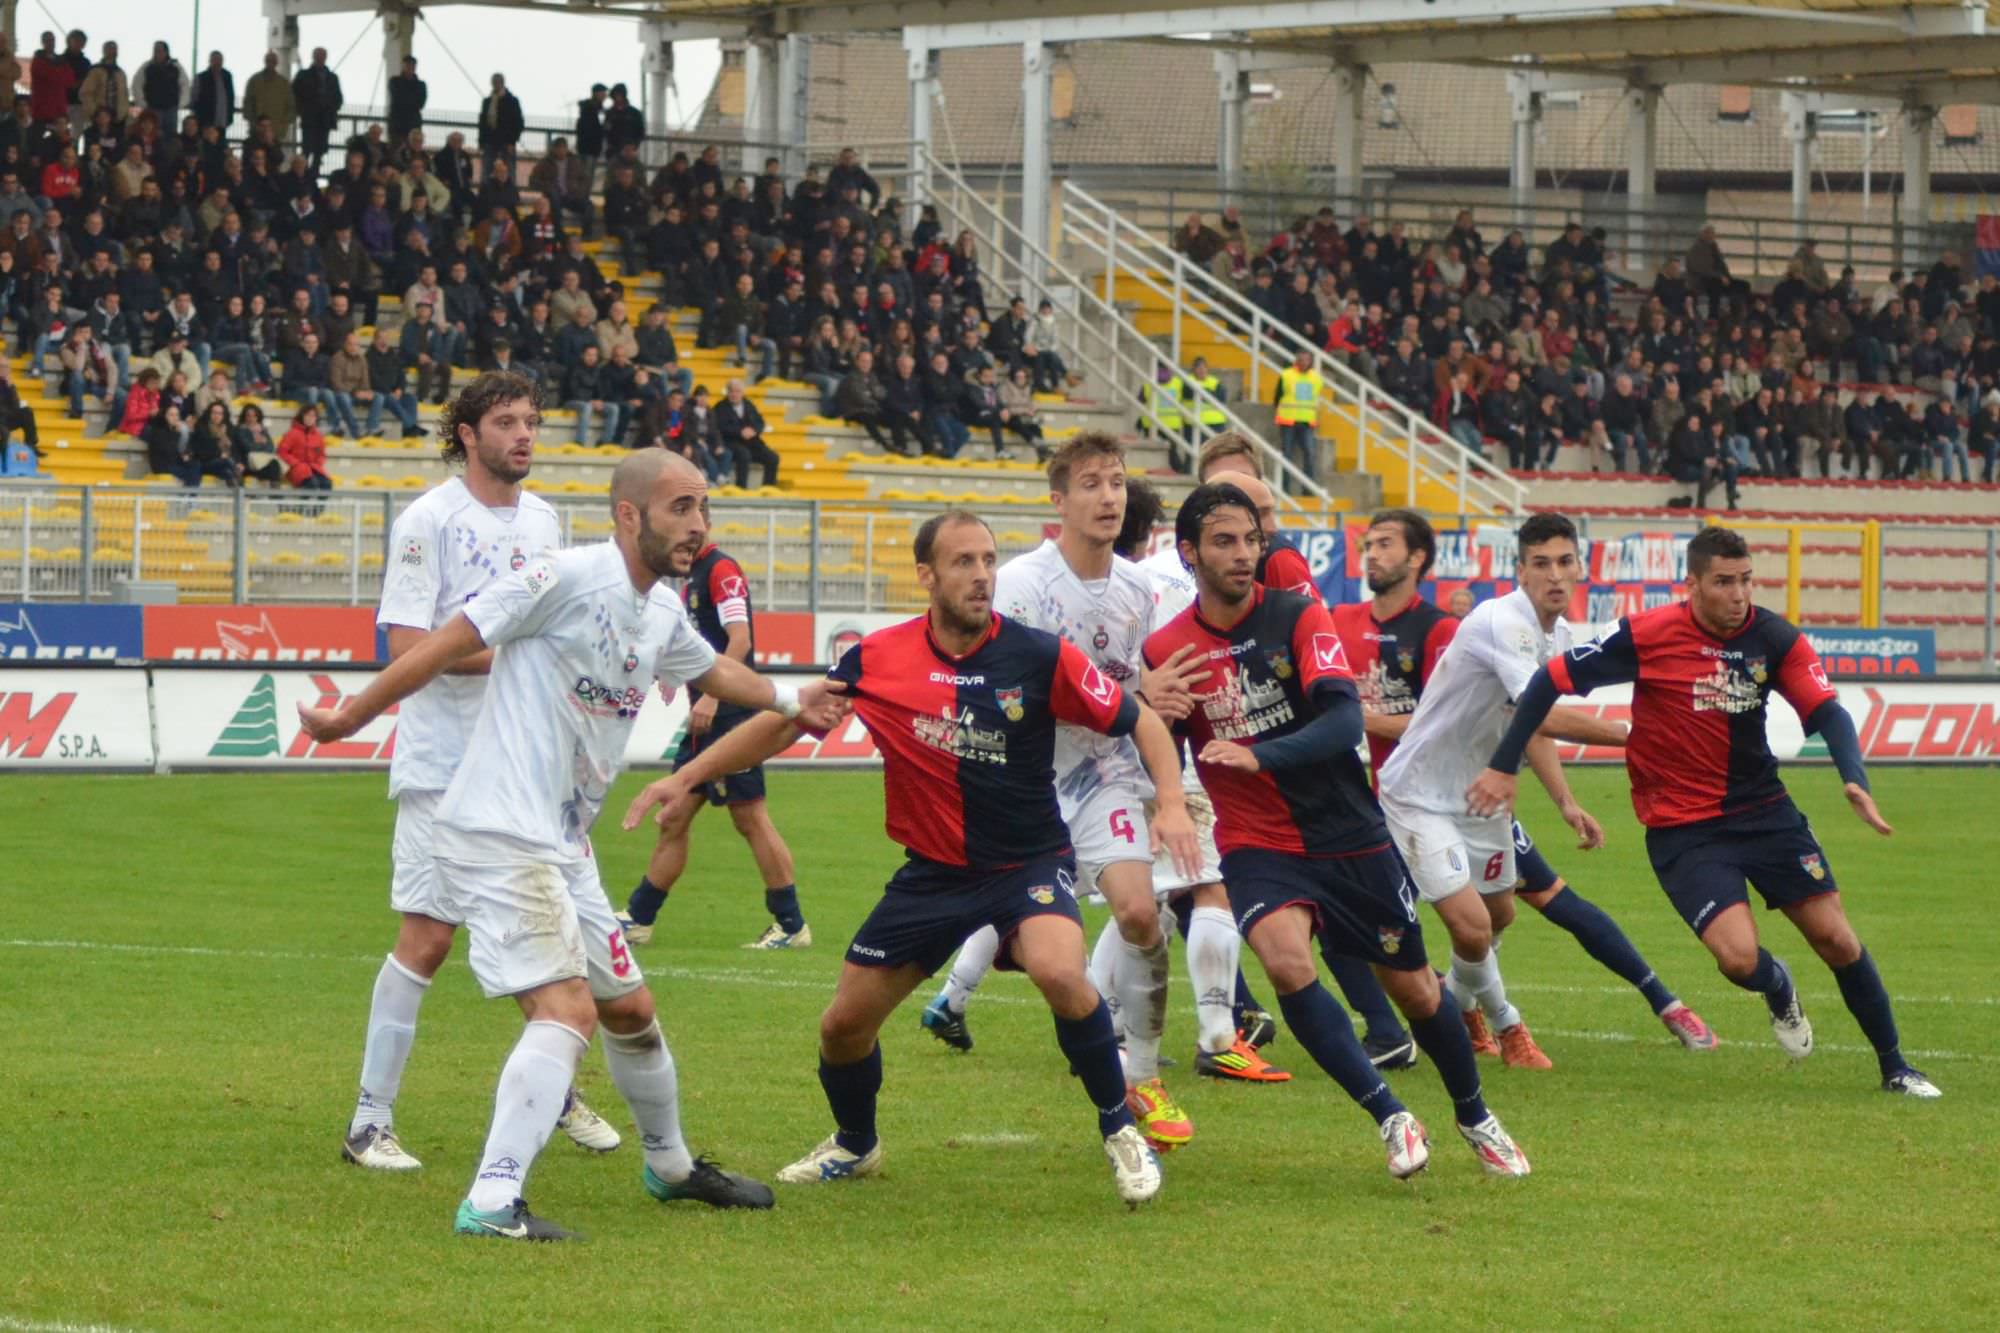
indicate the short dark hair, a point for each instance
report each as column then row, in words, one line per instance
column 1143, row 512
column 1418, row 534
column 479, row 398
column 1204, row 500
column 1543, row 528
column 925, row 548
column 1715, row 544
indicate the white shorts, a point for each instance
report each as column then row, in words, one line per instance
column 1167, row 879
column 532, row 921
column 413, row 881
column 1110, row 826
column 1445, row 853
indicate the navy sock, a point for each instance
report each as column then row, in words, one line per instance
column 1364, row 996
column 645, row 903
column 783, row 905
column 1442, row 1037
column 1322, row 1027
column 850, row 1092
column 1601, row 939
column 1861, row 986
column 1091, row 1044
column 1770, row 979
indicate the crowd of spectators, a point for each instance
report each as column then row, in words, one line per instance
column 151, row 224
column 1516, row 353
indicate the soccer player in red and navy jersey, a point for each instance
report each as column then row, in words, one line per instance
column 1304, row 848
column 963, row 705
column 1394, row 643
column 1706, row 786
column 717, row 597
column 1231, row 457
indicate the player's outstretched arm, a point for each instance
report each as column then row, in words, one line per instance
column 1548, row 768
column 1171, row 826
column 1385, row 726
column 752, row 743
column 1575, row 725
column 1834, row 725
column 422, row 664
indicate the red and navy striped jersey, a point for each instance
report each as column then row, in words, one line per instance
column 1282, row 569
column 968, row 743
column 1698, row 749
column 1269, row 675
column 718, row 596
column 1392, row 659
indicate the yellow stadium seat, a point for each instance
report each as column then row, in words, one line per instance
column 413, row 482
column 287, row 558
column 331, row 559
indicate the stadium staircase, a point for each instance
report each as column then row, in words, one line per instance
column 1381, row 452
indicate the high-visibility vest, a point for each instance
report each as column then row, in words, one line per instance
column 1298, row 396
column 1166, row 403
column 1209, row 413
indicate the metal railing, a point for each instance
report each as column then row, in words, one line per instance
column 1111, row 346
column 1416, row 447
column 1638, row 241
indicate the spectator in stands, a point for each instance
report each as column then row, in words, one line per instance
column 346, row 376
column 87, row 368
column 903, row 400
column 1503, row 414
column 743, row 315
column 408, row 95
column 105, row 87
column 1702, row 456
column 583, row 393
column 167, row 438
column 161, row 85
column 1542, row 433
column 1621, row 414
column 141, row 405
column 208, row 446
column 944, row 401
column 303, row 452
column 1456, row 412
column 316, row 93
column 1904, row 429
column 15, row 417
column 860, row 400
column 250, row 447
column 268, row 98
column 825, row 364
column 564, row 179
column 700, row 433
column 50, row 82
column 1821, row 428
column 1019, row 412
column 1755, row 436
column 500, row 126
column 1461, row 602
column 1946, row 435
column 740, row 426
column 1983, row 434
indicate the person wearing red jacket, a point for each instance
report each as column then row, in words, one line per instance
column 303, row 452
column 49, row 83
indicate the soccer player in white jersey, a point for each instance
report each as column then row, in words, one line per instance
column 456, row 539
column 1455, row 857
column 1073, row 585
column 581, row 637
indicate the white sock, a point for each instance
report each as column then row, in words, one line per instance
column 1482, row 980
column 974, row 961
column 1142, row 999
column 643, row 1069
column 533, row 1085
column 1104, row 960
column 1213, row 947
column 392, row 1027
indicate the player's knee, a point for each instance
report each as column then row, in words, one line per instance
column 567, row 1004
column 1500, row 911
column 1138, row 917
column 1211, row 895
column 1068, row 990
column 1837, row 946
column 1289, row 964
column 1734, row 959
column 840, row 1035
column 1471, row 939
column 423, row 944
column 630, row 1012
column 750, row 818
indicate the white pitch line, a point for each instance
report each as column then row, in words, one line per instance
column 9, row 1324
column 749, row 977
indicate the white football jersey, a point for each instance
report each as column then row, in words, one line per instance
column 443, row 551
column 1468, row 702
column 1109, row 620
column 1173, row 584
column 579, row 649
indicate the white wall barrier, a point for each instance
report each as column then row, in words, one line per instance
column 171, row 718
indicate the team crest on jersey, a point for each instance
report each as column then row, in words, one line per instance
column 1010, row 703
column 631, row 661
column 516, row 560
column 1390, row 938
column 1813, row 865
column 1281, row 663
column 1101, row 640
column 1755, row 665
column 413, row 551
column 1406, row 661
column 1043, row 893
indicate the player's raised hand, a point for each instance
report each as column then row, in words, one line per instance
column 1490, row 793
column 1864, row 806
column 1589, row 833
column 325, row 724
column 1228, row 754
column 701, row 717
column 663, row 793
column 1168, row 687
column 1174, row 831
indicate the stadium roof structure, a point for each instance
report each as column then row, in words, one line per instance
column 1906, row 60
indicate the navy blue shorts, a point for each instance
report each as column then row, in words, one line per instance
column 1532, row 871
column 1704, row 867
column 1363, row 906
column 928, row 909
column 731, row 789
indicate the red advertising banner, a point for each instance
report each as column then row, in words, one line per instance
column 785, row 638
column 260, row 633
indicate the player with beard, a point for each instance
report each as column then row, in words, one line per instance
column 964, row 705
column 1304, row 850
column 580, row 637
column 1395, row 642
column 446, row 547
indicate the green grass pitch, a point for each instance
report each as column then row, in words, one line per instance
column 185, row 966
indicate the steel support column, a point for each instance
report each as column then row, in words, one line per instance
column 1349, row 83
column 1233, row 92
column 923, row 75
column 761, row 81
column 1642, row 156
column 1799, row 133
column 795, row 102
column 399, row 29
column 656, row 61
column 281, row 34
column 1527, row 107
column 1916, row 125
column 1036, row 62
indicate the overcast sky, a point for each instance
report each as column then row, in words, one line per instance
column 550, row 60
